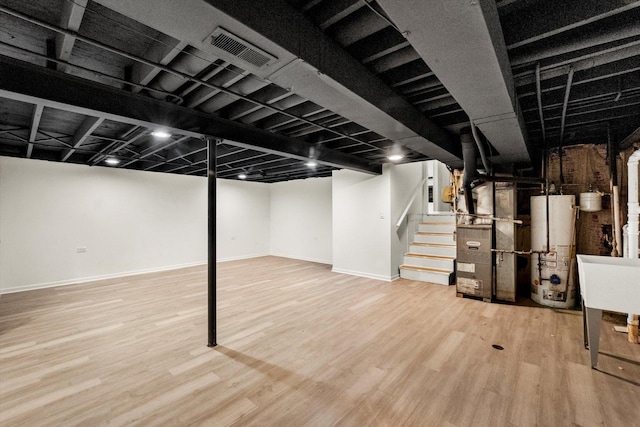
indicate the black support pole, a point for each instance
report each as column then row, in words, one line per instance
column 211, row 197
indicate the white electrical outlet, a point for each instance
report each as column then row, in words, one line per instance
column 81, row 249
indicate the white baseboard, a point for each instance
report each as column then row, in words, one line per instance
column 237, row 258
column 363, row 274
column 319, row 261
column 80, row 280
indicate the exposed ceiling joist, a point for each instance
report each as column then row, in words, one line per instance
column 156, row 149
column 587, row 41
column 340, row 75
column 335, row 11
column 118, row 146
column 597, row 59
column 575, row 14
column 162, row 52
column 33, row 130
column 309, row 63
column 70, row 19
column 83, row 132
column 50, row 88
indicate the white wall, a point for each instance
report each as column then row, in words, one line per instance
column 243, row 219
column 301, row 219
column 361, row 223
column 128, row 221
column 404, row 180
column 132, row 221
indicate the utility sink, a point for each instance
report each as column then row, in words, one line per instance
column 607, row 283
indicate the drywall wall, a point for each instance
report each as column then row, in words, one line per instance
column 243, row 219
column 301, row 219
column 361, row 224
column 132, row 221
column 403, row 182
column 65, row 223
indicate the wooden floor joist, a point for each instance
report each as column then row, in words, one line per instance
column 300, row 345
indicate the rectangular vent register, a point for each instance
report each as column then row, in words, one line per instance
column 229, row 46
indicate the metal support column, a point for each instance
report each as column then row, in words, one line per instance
column 211, row 177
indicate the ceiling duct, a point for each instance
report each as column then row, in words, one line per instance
column 229, row 46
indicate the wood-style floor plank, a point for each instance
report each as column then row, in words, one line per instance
column 300, row 345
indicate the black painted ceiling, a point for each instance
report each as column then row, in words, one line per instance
column 341, row 82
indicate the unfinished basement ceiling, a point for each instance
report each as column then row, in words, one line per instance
column 342, row 82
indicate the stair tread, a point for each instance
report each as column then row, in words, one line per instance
column 434, row 233
column 442, row 257
column 439, row 245
column 426, row 269
column 438, row 223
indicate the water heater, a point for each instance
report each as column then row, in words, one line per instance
column 552, row 268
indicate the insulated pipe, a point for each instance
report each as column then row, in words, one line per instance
column 470, row 170
column 483, row 156
column 539, row 98
column 563, row 118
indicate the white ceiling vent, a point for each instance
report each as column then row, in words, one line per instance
column 229, row 46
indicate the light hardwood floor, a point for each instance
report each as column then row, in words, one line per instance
column 299, row 345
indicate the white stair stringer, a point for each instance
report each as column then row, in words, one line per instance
column 431, row 256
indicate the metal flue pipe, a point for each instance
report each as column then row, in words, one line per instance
column 483, row 156
column 470, row 170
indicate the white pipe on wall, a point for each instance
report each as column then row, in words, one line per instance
column 633, row 223
column 633, row 205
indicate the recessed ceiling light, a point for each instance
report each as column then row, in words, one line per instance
column 242, row 176
column 395, row 157
column 112, row 161
column 160, row 134
column 311, row 164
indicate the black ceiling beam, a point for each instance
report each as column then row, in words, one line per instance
column 285, row 26
column 543, row 20
column 25, row 82
column 378, row 44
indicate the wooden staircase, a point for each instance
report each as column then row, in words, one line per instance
column 432, row 254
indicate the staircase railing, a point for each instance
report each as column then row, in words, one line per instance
column 414, row 194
